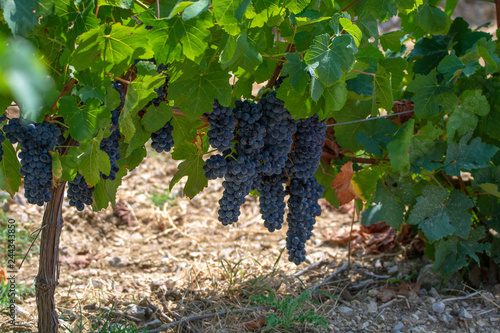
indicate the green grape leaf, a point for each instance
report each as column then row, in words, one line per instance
column 172, row 38
column 83, row 121
column 325, row 175
column 156, row 118
column 391, row 211
column 369, row 26
column 196, row 95
column 20, row 16
column 464, row 156
column 400, row 187
column 10, row 176
column 392, row 40
column 116, row 49
column 451, row 66
column 426, row 89
column 24, row 76
column 225, row 13
column 352, row 29
column 346, row 134
column 133, row 159
column 431, row 19
column 439, row 213
column 422, row 143
column 184, row 129
column 487, row 50
column 93, row 161
column 235, row 47
column 140, row 137
column 145, row 67
column 300, row 106
column 92, row 86
column 316, row 89
column 192, row 167
column 335, row 97
column 382, row 89
column 452, row 253
column 396, row 67
column 331, row 56
column 465, row 119
column 375, row 135
column 105, row 191
column 195, row 9
column 139, row 94
column 296, row 6
column 399, row 148
column 296, row 68
column 366, row 179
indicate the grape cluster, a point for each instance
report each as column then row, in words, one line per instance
column 309, row 141
column 280, row 128
column 272, row 205
column 162, row 139
column 111, row 147
column 262, row 159
column 36, row 142
column 215, row 167
column 110, row 144
column 79, row 193
column 221, row 121
column 303, row 208
column 237, row 184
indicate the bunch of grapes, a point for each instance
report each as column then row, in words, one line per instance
column 79, row 193
column 36, row 142
column 221, row 121
column 309, row 141
column 215, row 167
column 272, row 205
column 162, row 139
column 280, row 128
column 237, row 184
column 303, row 208
column 262, row 159
column 110, row 144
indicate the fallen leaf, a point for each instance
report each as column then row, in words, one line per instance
column 343, row 184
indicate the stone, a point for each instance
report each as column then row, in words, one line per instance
column 344, row 309
column 393, row 270
column 433, row 292
column 446, row 318
column 399, row 326
column 20, row 312
column 117, row 262
column 438, row 307
column 136, row 312
column 372, row 307
column 462, row 313
column 97, row 284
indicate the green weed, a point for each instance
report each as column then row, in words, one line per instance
column 287, row 311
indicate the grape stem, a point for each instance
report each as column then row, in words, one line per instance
column 65, row 90
column 279, row 66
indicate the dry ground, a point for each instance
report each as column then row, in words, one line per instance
column 177, row 260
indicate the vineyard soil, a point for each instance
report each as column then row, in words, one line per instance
column 179, row 258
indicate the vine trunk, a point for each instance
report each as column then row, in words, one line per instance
column 48, row 270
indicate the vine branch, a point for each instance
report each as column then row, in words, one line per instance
column 65, row 90
column 279, row 67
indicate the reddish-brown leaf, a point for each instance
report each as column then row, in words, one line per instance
column 343, row 185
